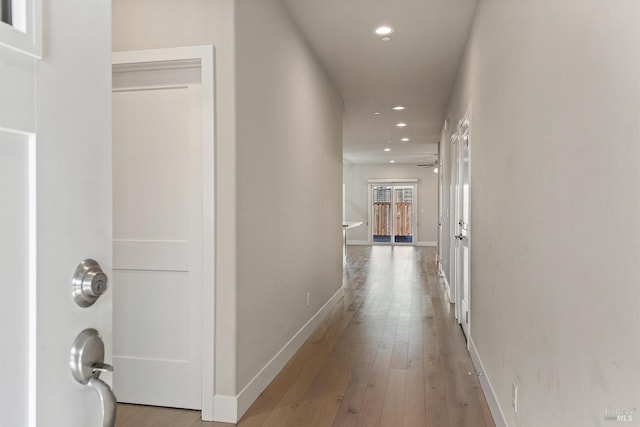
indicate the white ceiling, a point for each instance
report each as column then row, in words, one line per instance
column 415, row 69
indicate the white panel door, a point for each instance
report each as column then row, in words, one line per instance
column 455, row 218
column 55, row 210
column 463, row 211
column 157, row 243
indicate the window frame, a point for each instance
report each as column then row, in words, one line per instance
column 28, row 42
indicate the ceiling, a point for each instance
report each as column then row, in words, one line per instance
column 415, row 69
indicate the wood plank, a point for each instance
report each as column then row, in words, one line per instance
column 399, row 357
column 394, row 396
column 162, row 417
column 351, row 404
column 374, row 396
column 286, row 407
column 457, row 404
column 126, row 411
column 414, row 401
column 478, row 405
column 323, row 398
column 435, row 399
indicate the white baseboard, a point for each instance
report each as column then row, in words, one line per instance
column 487, row 389
column 447, row 288
column 358, row 242
column 430, row 244
column 230, row 409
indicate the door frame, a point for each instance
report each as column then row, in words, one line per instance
column 414, row 220
column 155, row 58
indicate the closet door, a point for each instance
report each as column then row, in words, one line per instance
column 157, row 237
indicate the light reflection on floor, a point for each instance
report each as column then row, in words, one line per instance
column 396, row 281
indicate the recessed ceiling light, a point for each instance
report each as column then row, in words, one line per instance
column 401, row 124
column 405, row 140
column 377, row 113
column 384, row 30
column 392, row 161
column 398, row 108
column 387, row 149
column 385, row 39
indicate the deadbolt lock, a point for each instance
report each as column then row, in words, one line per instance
column 88, row 283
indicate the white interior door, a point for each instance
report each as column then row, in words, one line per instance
column 463, row 236
column 453, row 223
column 440, row 211
column 157, row 236
column 55, row 199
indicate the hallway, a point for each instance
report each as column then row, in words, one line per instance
column 390, row 354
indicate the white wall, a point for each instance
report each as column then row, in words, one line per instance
column 289, row 183
column 554, row 216
column 357, row 187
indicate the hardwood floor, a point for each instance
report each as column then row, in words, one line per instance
column 390, row 354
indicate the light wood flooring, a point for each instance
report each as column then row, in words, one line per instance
column 389, row 354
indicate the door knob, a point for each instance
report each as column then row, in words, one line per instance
column 88, row 283
column 87, row 363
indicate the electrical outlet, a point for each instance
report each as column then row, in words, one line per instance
column 514, row 396
column 308, row 299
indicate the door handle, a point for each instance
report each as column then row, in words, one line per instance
column 108, row 400
column 87, row 363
